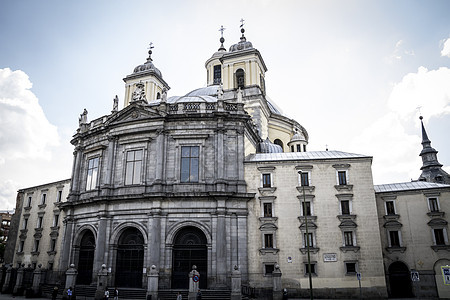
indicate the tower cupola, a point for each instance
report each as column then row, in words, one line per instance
column 147, row 78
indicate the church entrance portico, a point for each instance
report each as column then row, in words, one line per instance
column 189, row 248
column 130, row 259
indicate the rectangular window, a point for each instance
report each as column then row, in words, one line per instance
column 299, row 148
column 292, row 148
column 439, row 236
column 267, row 182
column 304, row 148
column 394, row 238
column 390, row 208
column 345, row 207
column 189, row 163
column 59, row 196
column 433, row 202
column 306, row 208
column 268, row 240
column 348, row 238
column 39, row 222
column 53, row 245
column 43, row 198
column 36, row 246
column 350, row 267
column 25, row 223
column 267, row 210
column 218, row 74
column 268, row 269
column 29, row 202
column 342, row 177
column 91, row 182
column 21, row 244
column 55, row 220
column 313, row 268
column 310, row 240
column 133, row 167
column 304, row 178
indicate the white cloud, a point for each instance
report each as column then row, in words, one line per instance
column 446, row 49
column 8, row 189
column 428, row 89
column 25, row 132
column 395, row 152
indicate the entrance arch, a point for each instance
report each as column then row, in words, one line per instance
column 400, row 280
column 86, row 258
column 130, row 259
column 189, row 248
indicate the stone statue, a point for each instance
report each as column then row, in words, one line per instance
column 83, row 117
column 239, row 95
column 164, row 95
column 139, row 93
column 115, row 104
column 220, row 92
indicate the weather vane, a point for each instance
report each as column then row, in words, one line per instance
column 418, row 109
column 242, row 22
column 222, row 29
column 150, row 46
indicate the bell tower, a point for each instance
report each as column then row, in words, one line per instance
column 145, row 77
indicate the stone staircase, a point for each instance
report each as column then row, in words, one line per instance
column 206, row 294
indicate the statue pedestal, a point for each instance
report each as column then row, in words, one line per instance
column 194, row 279
column 236, row 287
column 152, row 282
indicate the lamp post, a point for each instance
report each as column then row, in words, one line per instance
column 307, row 236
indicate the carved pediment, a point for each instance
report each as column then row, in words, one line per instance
column 133, row 112
column 268, row 227
column 437, row 223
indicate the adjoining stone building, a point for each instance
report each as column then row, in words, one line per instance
column 219, row 178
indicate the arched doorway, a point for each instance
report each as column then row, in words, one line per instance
column 130, row 259
column 86, row 258
column 189, row 249
column 400, row 280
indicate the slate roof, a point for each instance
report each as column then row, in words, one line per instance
column 408, row 186
column 309, row 155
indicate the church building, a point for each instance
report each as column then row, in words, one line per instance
column 221, row 179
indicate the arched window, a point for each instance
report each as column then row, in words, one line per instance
column 240, row 78
column 217, row 74
column 279, row 143
column 158, row 96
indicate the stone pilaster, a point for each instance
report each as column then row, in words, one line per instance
column 277, row 291
column 236, row 286
column 152, row 282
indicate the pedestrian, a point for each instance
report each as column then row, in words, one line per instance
column 55, row 293
column 179, row 296
column 106, row 294
column 69, row 293
column 116, row 294
column 285, row 294
column 199, row 295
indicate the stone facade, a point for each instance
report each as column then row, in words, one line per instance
column 278, row 211
column 219, row 178
column 39, row 224
column 414, row 235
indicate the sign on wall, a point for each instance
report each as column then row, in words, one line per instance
column 446, row 274
column 329, row 257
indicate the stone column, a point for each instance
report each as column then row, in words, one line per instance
column 194, row 278
column 5, row 288
column 19, row 279
column 37, row 277
column 100, row 246
column 76, row 170
column 154, row 241
column 236, row 293
column 71, row 278
column 110, row 160
column 221, row 245
column 277, row 291
column 67, row 241
column 160, row 157
column 102, row 283
column 152, row 283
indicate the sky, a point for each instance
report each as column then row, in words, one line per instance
column 356, row 74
